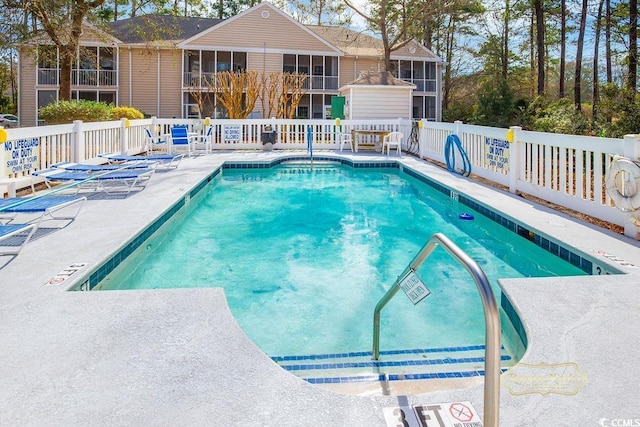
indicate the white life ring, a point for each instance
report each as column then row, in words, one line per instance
column 622, row 183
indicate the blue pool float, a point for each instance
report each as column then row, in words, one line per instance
column 465, row 216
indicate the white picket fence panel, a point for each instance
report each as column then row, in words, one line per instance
column 567, row 170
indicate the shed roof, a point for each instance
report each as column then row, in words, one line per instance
column 378, row 78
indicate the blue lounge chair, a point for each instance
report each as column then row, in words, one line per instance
column 165, row 161
column 86, row 167
column 40, row 208
column 7, row 232
column 117, row 181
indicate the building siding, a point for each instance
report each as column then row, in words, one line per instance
column 144, row 71
column 366, row 101
column 124, row 76
column 170, row 92
column 276, row 32
column 28, row 104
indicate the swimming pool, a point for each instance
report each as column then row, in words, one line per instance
column 304, row 254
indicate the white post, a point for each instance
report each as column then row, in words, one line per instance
column 457, row 123
column 514, row 158
column 124, row 136
column 631, row 150
column 422, row 136
column 77, row 143
column 3, row 148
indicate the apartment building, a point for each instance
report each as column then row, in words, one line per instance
column 159, row 64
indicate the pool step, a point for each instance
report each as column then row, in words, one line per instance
column 394, row 365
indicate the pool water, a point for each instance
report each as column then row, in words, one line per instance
column 305, row 253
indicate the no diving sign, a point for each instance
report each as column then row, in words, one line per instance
column 453, row 414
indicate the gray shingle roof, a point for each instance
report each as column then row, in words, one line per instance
column 159, row 27
column 378, row 78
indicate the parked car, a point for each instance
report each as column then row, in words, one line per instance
column 8, row 120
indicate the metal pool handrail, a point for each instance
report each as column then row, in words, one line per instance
column 491, row 319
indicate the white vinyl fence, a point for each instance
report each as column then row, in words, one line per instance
column 564, row 169
column 567, row 170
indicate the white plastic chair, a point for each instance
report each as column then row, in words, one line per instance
column 394, row 139
column 206, row 140
column 346, row 138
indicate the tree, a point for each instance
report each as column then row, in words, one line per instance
column 596, row 84
column 237, row 92
column 394, row 21
column 281, row 93
column 577, row 95
column 633, row 48
column 320, row 12
column 540, row 44
column 227, row 8
column 62, row 21
column 563, row 48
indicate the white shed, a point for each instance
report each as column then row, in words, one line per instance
column 377, row 95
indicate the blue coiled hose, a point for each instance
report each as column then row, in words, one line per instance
column 450, row 155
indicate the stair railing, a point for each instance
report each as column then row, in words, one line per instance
column 491, row 319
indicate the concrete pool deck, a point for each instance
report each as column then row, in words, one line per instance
column 177, row 357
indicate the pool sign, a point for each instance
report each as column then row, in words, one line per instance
column 22, row 155
column 231, row 133
column 453, row 414
column 497, row 153
column 413, row 287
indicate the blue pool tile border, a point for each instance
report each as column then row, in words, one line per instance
column 514, row 318
column 382, row 353
column 398, row 377
column 550, row 246
column 386, row 364
column 103, row 271
column 553, row 247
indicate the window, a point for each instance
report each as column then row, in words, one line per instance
column 107, row 97
column 46, row 97
column 289, row 63
column 224, row 61
column 47, row 56
column 107, row 58
column 239, row 61
column 47, row 65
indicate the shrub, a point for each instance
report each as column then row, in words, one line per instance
column 69, row 111
column 559, row 116
column 126, row 113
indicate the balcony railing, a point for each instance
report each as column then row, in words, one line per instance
column 321, row 83
column 48, row 76
column 94, row 77
column 423, row 85
column 51, row 76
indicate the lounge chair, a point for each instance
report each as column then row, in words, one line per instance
column 87, row 167
column 117, row 181
column 40, row 208
column 165, row 161
column 15, row 230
